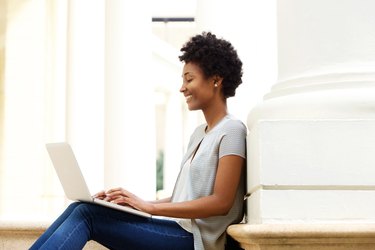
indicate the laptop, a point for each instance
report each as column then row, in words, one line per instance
column 72, row 179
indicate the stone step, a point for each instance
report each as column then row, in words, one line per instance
column 304, row 236
column 20, row 236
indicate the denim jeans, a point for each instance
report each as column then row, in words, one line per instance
column 82, row 222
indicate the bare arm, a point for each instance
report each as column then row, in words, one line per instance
column 165, row 200
column 219, row 203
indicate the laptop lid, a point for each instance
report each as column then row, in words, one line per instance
column 72, row 179
column 68, row 171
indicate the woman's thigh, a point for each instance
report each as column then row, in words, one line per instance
column 120, row 230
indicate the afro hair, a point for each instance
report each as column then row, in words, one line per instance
column 216, row 57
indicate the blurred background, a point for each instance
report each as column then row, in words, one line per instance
column 105, row 77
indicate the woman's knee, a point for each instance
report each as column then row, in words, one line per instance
column 74, row 205
column 85, row 209
column 71, row 208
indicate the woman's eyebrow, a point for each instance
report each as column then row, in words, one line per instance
column 186, row 73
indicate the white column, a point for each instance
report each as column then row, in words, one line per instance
column 85, row 87
column 52, row 195
column 130, row 160
column 311, row 143
column 22, row 156
column 3, row 24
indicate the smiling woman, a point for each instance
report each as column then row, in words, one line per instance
column 209, row 191
column 74, row 71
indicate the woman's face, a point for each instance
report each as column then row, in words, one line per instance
column 198, row 91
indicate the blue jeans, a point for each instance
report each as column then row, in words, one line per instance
column 114, row 229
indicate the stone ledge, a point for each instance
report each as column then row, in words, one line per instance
column 21, row 235
column 25, row 226
column 304, row 236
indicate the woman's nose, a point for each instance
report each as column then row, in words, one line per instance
column 182, row 89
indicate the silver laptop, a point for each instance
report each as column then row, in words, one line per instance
column 72, row 180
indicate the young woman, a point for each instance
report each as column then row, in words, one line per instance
column 209, row 191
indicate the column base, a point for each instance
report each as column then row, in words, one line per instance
column 304, row 236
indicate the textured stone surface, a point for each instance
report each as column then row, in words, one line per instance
column 304, row 236
column 16, row 235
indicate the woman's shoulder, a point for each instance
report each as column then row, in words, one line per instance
column 234, row 123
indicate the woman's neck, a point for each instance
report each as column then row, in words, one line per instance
column 214, row 117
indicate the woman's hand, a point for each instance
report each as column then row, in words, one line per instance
column 101, row 195
column 124, row 197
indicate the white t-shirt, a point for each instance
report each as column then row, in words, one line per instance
column 180, row 194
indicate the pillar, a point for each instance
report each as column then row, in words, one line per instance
column 23, row 53
column 310, row 146
column 84, row 91
column 310, row 143
column 3, row 8
column 129, row 123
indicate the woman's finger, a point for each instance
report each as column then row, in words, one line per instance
column 100, row 195
column 120, row 200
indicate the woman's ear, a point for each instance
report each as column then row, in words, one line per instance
column 217, row 81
